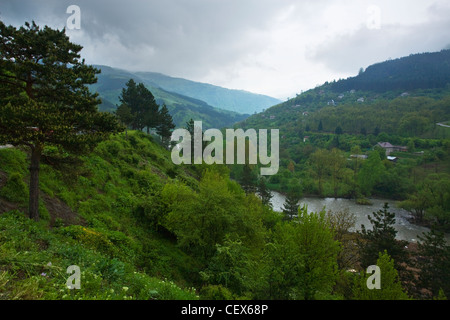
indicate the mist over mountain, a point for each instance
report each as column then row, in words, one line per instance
column 215, row 106
column 227, row 99
column 111, row 81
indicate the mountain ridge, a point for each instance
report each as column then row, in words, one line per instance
column 111, row 81
column 239, row 101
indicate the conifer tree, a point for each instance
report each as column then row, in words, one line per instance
column 123, row 112
column 320, row 127
column 165, row 125
column 142, row 105
column 433, row 263
column 248, row 179
column 190, row 127
column 382, row 238
column 45, row 100
column 264, row 192
column 291, row 205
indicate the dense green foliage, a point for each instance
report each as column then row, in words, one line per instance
column 91, row 216
column 418, row 71
column 139, row 110
column 126, row 215
column 329, row 138
column 140, row 227
column 44, row 98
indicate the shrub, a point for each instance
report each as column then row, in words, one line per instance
column 15, row 189
column 215, row 292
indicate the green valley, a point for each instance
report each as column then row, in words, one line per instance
column 92, row 187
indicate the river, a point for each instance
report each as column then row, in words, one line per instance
column 405, row 230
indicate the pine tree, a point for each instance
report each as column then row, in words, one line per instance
column 45, row 99
column 142, row 105
column 248, row 179
column 123, row 112
column 382, row 238
column 165, row 126
column 320, row 127
column 264, row 192
column 291, row 205
column 190, row 127
column 433, row 263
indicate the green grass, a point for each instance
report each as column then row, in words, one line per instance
column 119, row 255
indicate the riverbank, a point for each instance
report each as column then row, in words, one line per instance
column 406, row 230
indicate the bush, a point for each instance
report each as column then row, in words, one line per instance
column 15, row 189
column 215, row 292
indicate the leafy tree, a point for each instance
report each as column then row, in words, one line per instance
column 291, row 166
column 363, row 131
column 391, row 287
column 356, row 161
column 45, row 100
column 341, row 223
column 371, row 172
column 230, row 266
column 165, row 126
column 320, row 164
column 200, row 220
column 376, row 131
column 337, row 166
column 431, row 201
column 303, row 258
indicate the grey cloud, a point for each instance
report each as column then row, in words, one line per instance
column 347, row 53
column 182, row 34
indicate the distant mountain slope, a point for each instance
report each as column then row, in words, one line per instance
column 417, row 71
column 233, row 100
column 405, row 96
column 239, row 101
column 182, row 108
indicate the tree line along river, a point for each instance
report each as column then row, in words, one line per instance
column 405, row 229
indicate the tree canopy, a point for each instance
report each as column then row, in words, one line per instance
column 44, row 98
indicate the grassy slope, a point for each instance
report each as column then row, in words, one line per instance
column 89, row 219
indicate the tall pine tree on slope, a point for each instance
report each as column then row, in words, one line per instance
column 44, row 98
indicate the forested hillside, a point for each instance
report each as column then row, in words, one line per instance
column 140, row 227
column 182, row 108
column 418, row 71
column 329, row 139
column 98, row 192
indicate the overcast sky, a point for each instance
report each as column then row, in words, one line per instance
column 273, row 47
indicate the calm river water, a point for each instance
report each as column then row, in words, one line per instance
column 405, row 229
